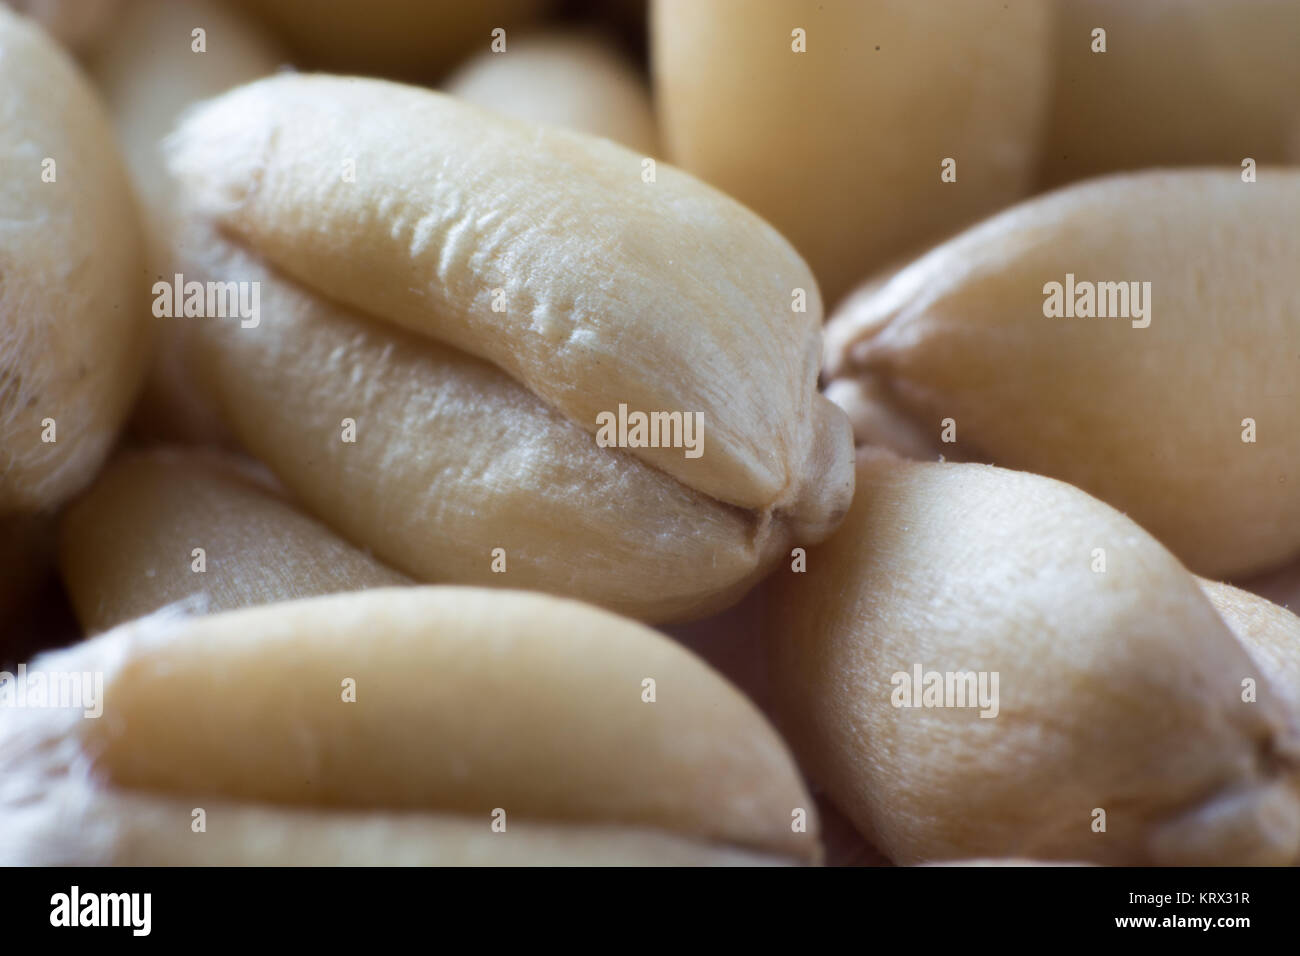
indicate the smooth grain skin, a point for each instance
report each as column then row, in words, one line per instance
column 72, row 345
column 1117, row 690
column 410, row 38
column 1270, row 633
column 126, row 546
column 468, row 700
column 664, row 297
column 149, row 73
column 570, row 79
column 1182, row 82
column 840, row 147
column 1149, row 419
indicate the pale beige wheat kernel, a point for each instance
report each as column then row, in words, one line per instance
column 1118, row 690
column 1147, row 419
column 565, row 78
column 1182, row 82
column 467, row 700
column 664, row 297
column 126, row 546
column 840, row 146
column 148, row 72
column 72, row 343
column 410, row 38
